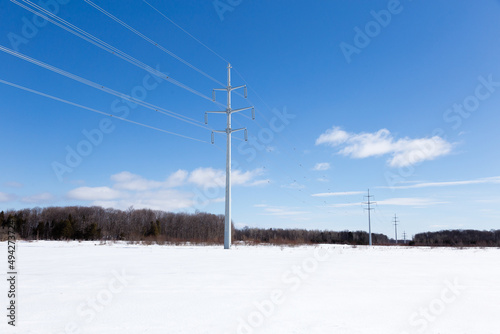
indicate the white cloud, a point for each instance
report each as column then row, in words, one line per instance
column 284, row 212
column 206, row 177
column 409, row 201
column 4, row 197
column 281, row 211
column 404, row 152
column 344, row 205
column 488, row 201
column 486, row 180
column 176, row 179
column 13, row 184
column 134, row 190
column 293, row 185
column 334, row 136
column 403, row 201
column 38, row 198
column 343, row 193
column 243, row 178
column 124, row 177
column 94, row 194
column 129, row 181
column 321, row 166
column 259, row 182
column 167, row 200
column 218, row 200
column 412, row 151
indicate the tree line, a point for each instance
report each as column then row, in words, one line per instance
column 301, row 236
column 97, row 223
column 458, row 238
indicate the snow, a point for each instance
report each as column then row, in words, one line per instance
column 91, row 288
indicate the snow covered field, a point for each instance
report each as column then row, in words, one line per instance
column 91, row 288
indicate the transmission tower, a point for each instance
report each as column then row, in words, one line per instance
column 369, row 208
column 396, row 228
column 404, row 237
column 228, row 131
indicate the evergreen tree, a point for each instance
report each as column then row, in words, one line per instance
column 67, row 230
column 2, row 219
column 40, row 231
column 154, row 229
column 92, row 232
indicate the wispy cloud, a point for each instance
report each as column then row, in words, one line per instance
column 402, row 201
column 410, row 201
column 344, row 205
column 206, row 177
column 321, row 166
column 32, row 199
column 342, row 193
column 128, row 181
column 4, row 197
column 13, row 184
column 38, row 198
column 176, row 179
column 488, row 200
column 166, row 199
column 259, row 183
column 94, row 194
column 293, row 185
column 404, row 151
column 486, row 180
column 281, row 211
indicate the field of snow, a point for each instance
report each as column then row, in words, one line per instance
column 90, row 288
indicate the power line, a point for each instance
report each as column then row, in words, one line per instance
column 201, row 43
column 149, row 40
column 90, row 38
column 159, row 12
column 103, row 45
column 81, row 33
column 238, row 73
column 218, row 55
column 244, row 80
column 97, row 111
column 229, row 130
column 369, row 208
column 395, row 221
column 103, row 88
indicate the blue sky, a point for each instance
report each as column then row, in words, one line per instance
column 399, row 97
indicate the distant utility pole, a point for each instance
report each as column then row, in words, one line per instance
column 404, row 236
column 369, row 208
column 396, row 227
column 228, row 131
